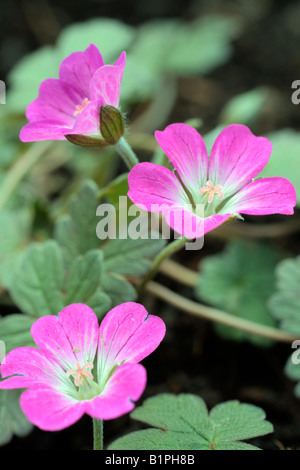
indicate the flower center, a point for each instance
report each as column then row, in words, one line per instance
column 81, row 107
column 81, row 373
column 211, row 190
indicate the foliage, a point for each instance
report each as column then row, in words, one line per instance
column 240, row 280
column 183, row 422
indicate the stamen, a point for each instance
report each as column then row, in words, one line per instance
column 80, row 107
column 80, row 372
column 211, row 190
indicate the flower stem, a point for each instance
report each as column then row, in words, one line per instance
column 98, row 434
column 126, row 152
column 169, row 250
column 218, row 316
column 20, row 168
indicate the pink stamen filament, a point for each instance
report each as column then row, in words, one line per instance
column 80, row 107
column 80, row 372
column 211, row 190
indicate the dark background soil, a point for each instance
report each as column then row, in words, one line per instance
column 192, row 358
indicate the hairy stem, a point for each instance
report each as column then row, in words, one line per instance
column 126, row 152
column 215, row 315
column 98, row 434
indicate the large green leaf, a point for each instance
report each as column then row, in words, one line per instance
column 39, row 279
column 76, row 231
column 12, row 419
column 240, row 280
column 43, row 287
column 131, row 257
column 15, row 233
column 183, row 422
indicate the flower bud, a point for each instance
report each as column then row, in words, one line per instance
column 111, row 124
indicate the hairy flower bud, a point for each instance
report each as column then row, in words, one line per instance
column 111, row 124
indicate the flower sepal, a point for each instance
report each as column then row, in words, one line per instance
column 86, row 141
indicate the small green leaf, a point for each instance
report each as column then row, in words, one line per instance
column 286, row 147
column 284, row 304
column 76, row 231
column 184, row 423
column 131, row 257
column 15, row 233
column 247, row 107
column 15, row 331
column 83, row 283
column 118, row 289
column 109, row 35
column 240, row 280
column 12, row 419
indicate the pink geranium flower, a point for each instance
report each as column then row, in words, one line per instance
column 70, row 104
column 81, row 368
column 202, row 193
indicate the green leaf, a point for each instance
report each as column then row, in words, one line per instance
column 27, row 75
column 131, row 257
column 43, row 287
column 76, row 232
column 240, row 280
column 202, row 45
column 15, row 233
column 38, row 283
column 83, row 283
column 12, row 419
column 109, row 35
column 286, row 148
column 184, row 423
column 292, row 370
column 118, row 289
column 284, row 304
column 246, row 108
column 15, row 331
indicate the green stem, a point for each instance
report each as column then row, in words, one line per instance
column 169, row 250
column 98, row 434
column 217, row 316
column 126, row 152
column 20, row 168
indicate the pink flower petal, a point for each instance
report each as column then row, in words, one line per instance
column 191, row 226
column 106, row 82
column 32, row 366
column 125, row 386
column 44, row 130
column 69, row 338
column 186, row 151
column 237, row 156
column 79, row 68
column 151, row 186
column 57, row 101
column 88, row 121
column 264, row 196
column 50, row 410
column 128, row 333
